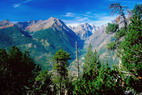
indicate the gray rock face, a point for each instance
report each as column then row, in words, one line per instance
column 99, row 40
column 24, row 25
column 84, row 31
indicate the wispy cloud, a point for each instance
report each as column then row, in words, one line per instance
column 21, row 3
column 104, row 20
column 89, row 17
column 16, row 5
column 69, row 14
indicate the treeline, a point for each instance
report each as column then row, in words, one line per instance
column 17, row 72
column 21, row 76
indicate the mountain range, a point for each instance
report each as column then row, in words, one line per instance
column 84, row 31
column 43, row 38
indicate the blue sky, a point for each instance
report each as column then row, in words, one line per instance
column 72, row 12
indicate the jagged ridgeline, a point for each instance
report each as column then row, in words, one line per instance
column 41, row 38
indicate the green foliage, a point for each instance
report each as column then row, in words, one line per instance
column 130, row 50
column 107, row 82
column 19, row 74
column 112, row 46
column 60, row 70
column 91, row 64
column 43, row 84
column 132, row 46
column 133, row 82
column 84, row 85
column 57, row 39
column 17, row 71
column 97, row 79
column 137, row 9
column 61, row 55
column 42, row 45
column 111, row 28
column 120, row 33
column 117, row 8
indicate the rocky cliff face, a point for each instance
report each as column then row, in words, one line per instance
column 99, row 40
column 84, row 31
column 24, row 25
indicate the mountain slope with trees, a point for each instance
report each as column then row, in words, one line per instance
column 21, row 76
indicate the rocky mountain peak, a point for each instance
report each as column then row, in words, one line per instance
column 45, row 24
column 84, row 31
column 85, row 26
column 53, row 19
column 24, row 25
column 5, row 24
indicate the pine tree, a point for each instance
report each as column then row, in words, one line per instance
column 138, row 10
column 85, row 83
column 118, row 8
column 108, row 82
column 60, row 67
column 43, row 84
column 91, row 64
column 131, row 53
column 18, row 71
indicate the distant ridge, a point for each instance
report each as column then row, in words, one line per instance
column 84, row 31
column 41, row 38
column 5, row 24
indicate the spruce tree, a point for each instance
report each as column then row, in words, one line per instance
column 117, row 8
column 85, row 84
column 131, row 53
column 60, row 67
column 91, row 64
column 43, row 84
column 17, row 70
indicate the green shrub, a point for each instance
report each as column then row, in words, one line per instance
column 111, row 28
column 111, row 46
column 120, row 33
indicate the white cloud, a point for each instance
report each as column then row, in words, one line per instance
column 107, row 18
column 16, row 5
column 73, row 24
column 21, row 3
column 80, row 19
column 97, row 19
column 69, row 14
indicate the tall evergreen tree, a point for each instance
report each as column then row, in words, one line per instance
column 91, row 64
column 60, row 77
column 131, row 54
column 138, row 10
column 118, row 8
column 108, row 81
column 18, row 72
column 85, row 84
column 43, row 84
